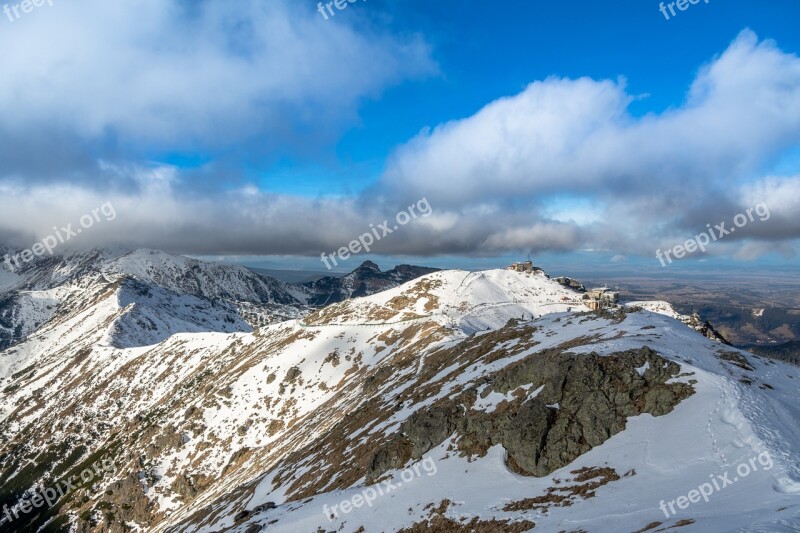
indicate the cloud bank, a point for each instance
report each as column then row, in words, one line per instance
column 561, row 166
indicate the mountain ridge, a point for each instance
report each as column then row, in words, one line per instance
column 32, row 295
column 466, row 371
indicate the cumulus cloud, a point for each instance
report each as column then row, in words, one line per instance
column 108, row 78
column 577, row 135
column 647, row 179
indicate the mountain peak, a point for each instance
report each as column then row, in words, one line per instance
column 368, row 265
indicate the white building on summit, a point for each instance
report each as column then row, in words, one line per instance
column 520, row 266
column 600, row 298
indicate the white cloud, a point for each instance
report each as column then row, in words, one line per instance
column 562, row 135
column 539, row 236
column 176, row 72
column 496, row 181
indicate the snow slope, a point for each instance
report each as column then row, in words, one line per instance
column 271, row 428
column 726, row 423
column 183, row 275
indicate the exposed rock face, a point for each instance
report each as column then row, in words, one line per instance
column 708, row 330
column 12, row 328
column 584, row 400
column 571, row 283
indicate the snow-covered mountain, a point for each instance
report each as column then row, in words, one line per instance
column 458, row 401
column 199, row 278
column 166, row 294
column 157, row 295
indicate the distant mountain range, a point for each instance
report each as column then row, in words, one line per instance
column 171, row 294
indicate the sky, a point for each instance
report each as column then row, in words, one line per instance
column 270, row 132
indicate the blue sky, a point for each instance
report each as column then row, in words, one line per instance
column 586, row 132
column 486, row 51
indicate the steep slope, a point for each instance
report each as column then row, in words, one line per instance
column 49, row 272
column 488, row 398
column 154, row 314
column 183, row 275
column 22, row 312
column 163, row 294
column 460, row 432
column 694, row 321
column 788, row 351
column 31, row 295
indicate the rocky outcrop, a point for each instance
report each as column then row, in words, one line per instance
column 571, row 283
column 708, row 330
column 584, row 400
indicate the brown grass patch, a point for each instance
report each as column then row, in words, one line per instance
column 565, row 496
